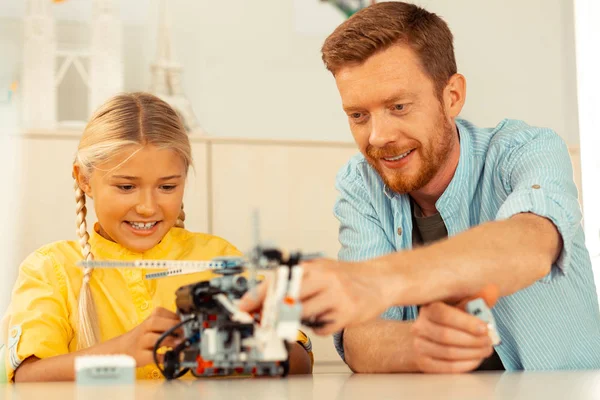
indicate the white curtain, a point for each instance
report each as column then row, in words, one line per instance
column 587, row 32
column 9, row 199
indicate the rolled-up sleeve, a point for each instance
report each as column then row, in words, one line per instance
column 538, row 176
column 361, row 234
column 38, row 318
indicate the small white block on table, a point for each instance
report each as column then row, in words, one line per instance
column 104, row 369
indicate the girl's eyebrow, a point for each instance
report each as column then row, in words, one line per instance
column 131, row 178
column 135, row 178
column 166, row 178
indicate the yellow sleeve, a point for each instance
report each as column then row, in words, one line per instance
column 305, row 342
column 231, row 250
column 37, row 317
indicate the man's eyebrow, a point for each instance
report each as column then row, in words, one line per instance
column 403, row 94
column 400, row 95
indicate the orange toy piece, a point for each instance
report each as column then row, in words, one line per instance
column 489, row 294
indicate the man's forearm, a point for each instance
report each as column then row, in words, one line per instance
column 382, row 346
column 511, row 254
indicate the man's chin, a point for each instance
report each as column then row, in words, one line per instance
column 401, row 184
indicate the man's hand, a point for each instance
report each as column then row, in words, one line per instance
column 339, row 294
column 448, row 340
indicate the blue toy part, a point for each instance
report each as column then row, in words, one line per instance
column 479, row 309
column 230, row 261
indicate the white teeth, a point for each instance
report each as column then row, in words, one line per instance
column 401, row 156
column 142, row 225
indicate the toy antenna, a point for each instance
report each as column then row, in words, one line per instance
column 256, row 251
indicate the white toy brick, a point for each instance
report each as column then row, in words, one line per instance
column 104, row 369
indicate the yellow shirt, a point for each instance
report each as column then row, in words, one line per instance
column 42, row 316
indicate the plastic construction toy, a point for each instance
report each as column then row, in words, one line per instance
column 479, row 309
column 218, row 338
column 104, row 369
column 480, row 306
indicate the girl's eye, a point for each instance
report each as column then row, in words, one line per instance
column 168, row 187
column 125, row 188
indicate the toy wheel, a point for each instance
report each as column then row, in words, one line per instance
column 171, row 365
column 286, row 364
column 286, row 368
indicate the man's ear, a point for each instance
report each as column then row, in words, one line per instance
column 455, row 95
column 82, row 180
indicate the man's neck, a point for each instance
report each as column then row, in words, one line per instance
column 428, row 195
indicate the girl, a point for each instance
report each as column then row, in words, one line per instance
column 132, row 160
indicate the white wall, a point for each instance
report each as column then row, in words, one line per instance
column 519, row 60
column 249, row 62
column 10, row 257
column 253, row 68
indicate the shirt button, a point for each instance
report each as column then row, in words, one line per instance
column 536, row 186
column 155, row 374
column 399, row 231
column 144, row 307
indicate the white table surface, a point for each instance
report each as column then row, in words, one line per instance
column 529, row 385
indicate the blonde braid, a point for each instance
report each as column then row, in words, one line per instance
column 87, row 334
column 181, row 218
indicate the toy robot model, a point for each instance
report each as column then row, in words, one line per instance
column 219, row 339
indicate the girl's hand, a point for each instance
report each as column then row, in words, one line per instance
column 139, row 342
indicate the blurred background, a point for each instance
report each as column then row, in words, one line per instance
column 264, row 115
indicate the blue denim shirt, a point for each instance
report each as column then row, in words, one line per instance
column 510, row 169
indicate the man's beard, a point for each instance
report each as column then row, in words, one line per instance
column 433, row 155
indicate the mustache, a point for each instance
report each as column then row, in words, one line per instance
column 386, row 151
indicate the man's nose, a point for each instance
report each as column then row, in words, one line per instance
column 382, row 131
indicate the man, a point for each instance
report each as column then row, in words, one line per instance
column 435, row 208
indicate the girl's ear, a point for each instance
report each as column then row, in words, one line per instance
column 82, row 180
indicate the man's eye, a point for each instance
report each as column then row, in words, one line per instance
column 356, row 115
column 399, row 107
column 168, row 187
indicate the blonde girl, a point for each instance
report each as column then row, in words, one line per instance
column 132, row 160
